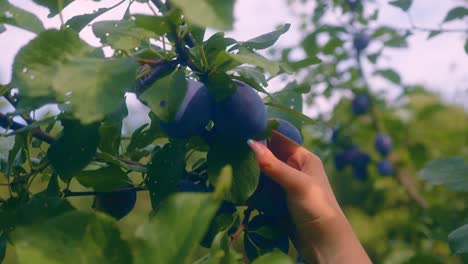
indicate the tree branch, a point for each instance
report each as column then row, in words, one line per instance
column 68, row 193
column 9, row 124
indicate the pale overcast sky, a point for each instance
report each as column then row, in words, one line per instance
column 439, row 63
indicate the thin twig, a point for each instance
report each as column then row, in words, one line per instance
column 9, row 124
column 68, row 193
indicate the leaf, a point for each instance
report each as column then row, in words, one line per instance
column 434, row 33
column 402, row 4
column 18, row 17
column 220, row 85
column 121, row 35
column 74, row 237
column 165, row 95
column 275, row 257
column 310, row 60
column 103, row 179
column 42, row 207
column 456, row 13
column 74, row 149
column 466, row 47
column 142, row 137
column 174, row 233
column 244, row 166
column 252, row 76
column 266, row 40
column 248, row 57
column 208, row 13
column 94, row 87
column 167, row 167
column 79, row 22
column 222, row 252
column 451, row 172
column 156, row 24
column 37, row 63
column 458, row 240
column 390, row 75
column 6, row 144
column 53, row 5
column 3, row 246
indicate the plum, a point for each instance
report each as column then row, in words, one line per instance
column 356, row 158
column 241, row 114
column 360, row 104
column 385, row 167
column 383, row 144
column 289, row 130
column 361, row 41
column 193, row 115
column 117, row 203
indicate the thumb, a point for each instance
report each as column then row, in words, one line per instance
column 291, row 179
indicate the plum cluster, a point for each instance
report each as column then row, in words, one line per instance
column 356, row 158
column 383, row 145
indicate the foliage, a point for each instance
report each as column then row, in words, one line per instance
column 52, row 165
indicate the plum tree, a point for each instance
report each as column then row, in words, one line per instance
column 360, row 104
column 241, row 114
column 383, row 144
column 193, row 115
column 361, row 41
column 289, row 130
column 117, row 203
column 269, row 197
column 264, row 234
column 385, row 167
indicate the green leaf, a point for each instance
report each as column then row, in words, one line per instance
column 165, row 95
column 402, row 4
column 245, row 56
column 251, row 76
column 434, row 33
column 121, row 35
column 42, row 207
column 266, row 40
column 390, row 75
column 222, row 252
column 74, row 237
column 244, row 167
column 466, row 46
column 451, row 172
column 37, row 63
column 156, row 24
column 458, row 240
column 310, row 60
column 220, row 85
column 208, row 13
column 6, row 144
column 3, row 246
column 174, row 233
column 53, row 5
column 103, row 179
column 18, row 17
column 456, row 13
column 142, row 137
column 74, row 149
column 275, row 257
column 97, row 86
column 79, row 22
column 167, row 167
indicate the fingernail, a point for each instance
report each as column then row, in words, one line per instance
column 255, row 146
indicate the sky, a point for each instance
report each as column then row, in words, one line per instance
column 439, row 63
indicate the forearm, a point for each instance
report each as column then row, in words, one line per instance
column 331, row 241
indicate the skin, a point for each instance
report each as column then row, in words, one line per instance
column 320, row 230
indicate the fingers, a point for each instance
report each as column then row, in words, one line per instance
column 291, row 179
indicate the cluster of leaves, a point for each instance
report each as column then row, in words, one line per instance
column 82, row 146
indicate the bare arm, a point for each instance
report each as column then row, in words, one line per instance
column 321, row 230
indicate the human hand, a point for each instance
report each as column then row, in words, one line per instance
column 321, row 230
